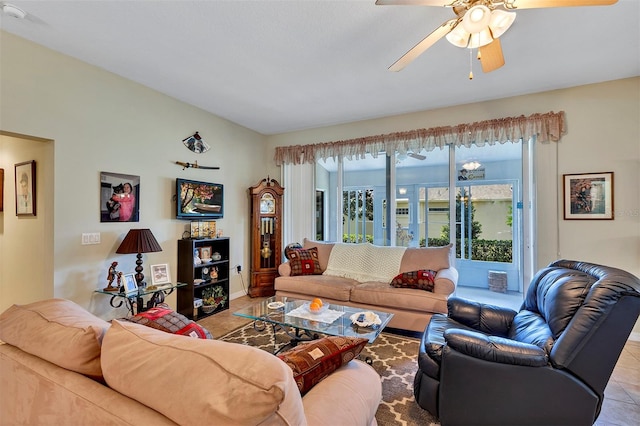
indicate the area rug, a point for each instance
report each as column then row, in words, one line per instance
column 392, row 356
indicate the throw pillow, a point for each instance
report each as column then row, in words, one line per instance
column 291, row 247
column 423, row 279
column 170, row 321
column 59, row 331
column 304, row 262
column 316, row 360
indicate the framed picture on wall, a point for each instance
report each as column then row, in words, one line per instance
column 25, row 178
column 588, row 196
column 1, row 190
column 119, row 197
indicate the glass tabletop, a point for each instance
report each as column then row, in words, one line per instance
column 144, row 290
column 342, row 326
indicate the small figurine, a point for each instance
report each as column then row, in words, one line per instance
column 111, row 276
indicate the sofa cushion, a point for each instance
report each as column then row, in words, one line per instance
column 407, row 299
column 364, row 262
column 432, row 258
column 213, row 381
column 304, row 262
column 58, row 331
column 322, row 286
column 314, row 361
column 170, row 321
column 290, row 247
column 422, row 279
column 324, row 250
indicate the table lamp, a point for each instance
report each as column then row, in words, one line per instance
column 139, row 241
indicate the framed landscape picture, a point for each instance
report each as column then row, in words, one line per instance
column 160, row 274
column 588, row 196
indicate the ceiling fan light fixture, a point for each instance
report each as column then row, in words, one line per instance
column 13, row 11
column 480, row 39
column 501, row 21
column 476, row 19
column 459, row 36
column 471, row 165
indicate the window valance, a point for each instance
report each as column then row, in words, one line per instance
column 545, row 127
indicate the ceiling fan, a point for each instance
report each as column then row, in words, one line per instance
column 402, row 157
column 478, row 24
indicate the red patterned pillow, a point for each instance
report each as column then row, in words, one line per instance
column 170, row 321
column 304, row 262
column 422, row 279
column 316, row 360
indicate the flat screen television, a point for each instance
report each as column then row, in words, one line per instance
column 199, row 200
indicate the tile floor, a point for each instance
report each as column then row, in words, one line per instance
column 621, row 406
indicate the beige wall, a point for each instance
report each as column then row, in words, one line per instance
column 603, row 124
column 101, row 122
column 26, row 243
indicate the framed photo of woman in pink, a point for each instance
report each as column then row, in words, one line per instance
column 119, row 197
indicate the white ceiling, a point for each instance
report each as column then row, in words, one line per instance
column 283, row 65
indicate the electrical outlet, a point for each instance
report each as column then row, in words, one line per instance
column 238, row 268
column 90, row 238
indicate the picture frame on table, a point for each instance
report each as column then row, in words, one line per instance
column 130, row 286
column 25, row 184
column 160, row 274
column 205, row 253
column 588, row 196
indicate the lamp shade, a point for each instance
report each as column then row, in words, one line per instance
column 139, row 241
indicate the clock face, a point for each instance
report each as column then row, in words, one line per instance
column 267, row 204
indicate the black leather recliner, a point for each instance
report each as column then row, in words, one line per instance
column 547, row 364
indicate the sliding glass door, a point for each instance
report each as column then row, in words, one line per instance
column 405, row 200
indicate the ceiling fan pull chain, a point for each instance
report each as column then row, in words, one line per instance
column 470, row 64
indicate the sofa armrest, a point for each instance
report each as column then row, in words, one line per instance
column 348, row 396
column 495, row 349
column 284, row 269
column 445, row 281
column 486, row 318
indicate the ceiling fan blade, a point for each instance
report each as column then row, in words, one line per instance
column 413, row 2
column 426, row 43
column 532, row 4
column 491, row 56
column 417, row 156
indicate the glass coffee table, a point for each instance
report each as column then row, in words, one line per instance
column 283, row 317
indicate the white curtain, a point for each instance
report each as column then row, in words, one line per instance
column 299, row 203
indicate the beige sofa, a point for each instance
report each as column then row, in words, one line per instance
column 66, row 366
column 359, row 275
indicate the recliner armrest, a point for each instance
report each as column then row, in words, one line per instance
column 486, row 318
column 495, row 349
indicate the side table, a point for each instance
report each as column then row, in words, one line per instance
column 135, row 301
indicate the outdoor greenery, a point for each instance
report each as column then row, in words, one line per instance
column 352, row 204
column 483, row 250
column 353, row 238
column 476, row 227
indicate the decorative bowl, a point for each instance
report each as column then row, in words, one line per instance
column 207, row 309
column 365, row 319
column 322, row 309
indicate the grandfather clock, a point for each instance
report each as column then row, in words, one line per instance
column 266, row 236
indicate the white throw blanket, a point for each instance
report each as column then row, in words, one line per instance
column 364, row 262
